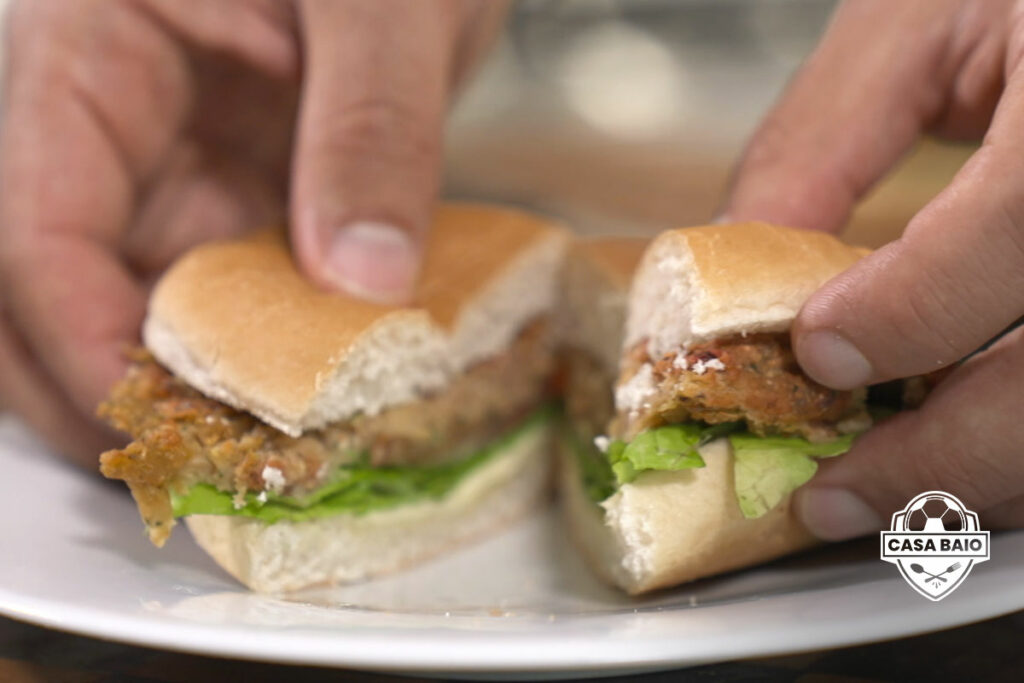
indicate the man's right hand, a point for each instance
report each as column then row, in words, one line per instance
column 136, row 129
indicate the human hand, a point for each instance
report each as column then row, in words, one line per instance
column 883, row 74
column 135, row 129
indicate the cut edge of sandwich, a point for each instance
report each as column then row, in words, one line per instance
column 668, row 528
column 595, row 285
column 343, row 548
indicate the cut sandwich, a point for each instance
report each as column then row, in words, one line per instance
column 595, row 290
column 311, row 438
column 690, row 472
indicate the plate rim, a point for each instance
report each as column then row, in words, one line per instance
column 570, row 644
column 432, row 652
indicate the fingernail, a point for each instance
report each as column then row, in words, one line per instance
column 835, row 514
column 833, row 361
column 373, row 261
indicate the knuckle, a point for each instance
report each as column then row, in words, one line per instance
column 952, row 470
column 922, row 291
column 768, row 146
column 383, row 129
column 784, row 167
column 932, row 322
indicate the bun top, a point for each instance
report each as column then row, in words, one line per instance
column 598, row 273
column 237, row 321
column 698, row 284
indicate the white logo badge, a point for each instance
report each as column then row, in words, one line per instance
column 935, row 541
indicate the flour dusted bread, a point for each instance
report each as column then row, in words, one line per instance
column 703, row 283
column 692, row 285
column 668, row 528
column 239, row 322
column 311, row 438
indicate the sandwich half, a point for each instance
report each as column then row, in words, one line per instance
column 310, row 438
column 687, row 467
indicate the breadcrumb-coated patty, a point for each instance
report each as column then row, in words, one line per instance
column 755, row 379
column 182, row 437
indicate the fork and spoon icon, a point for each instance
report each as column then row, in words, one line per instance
column 918, row 569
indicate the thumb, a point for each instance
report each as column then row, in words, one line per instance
column 965, row 440
column 369, row 142
column 950, row 284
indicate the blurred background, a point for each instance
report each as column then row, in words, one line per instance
column 627, row 115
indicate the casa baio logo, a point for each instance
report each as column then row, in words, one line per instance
column 935, row 541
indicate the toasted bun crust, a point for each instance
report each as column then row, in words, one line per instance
column 596, row 283
column 667, row 528
column 698, row 284
column 275, row 558
column 237, row 321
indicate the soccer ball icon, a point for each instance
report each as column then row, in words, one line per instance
column 935, row 514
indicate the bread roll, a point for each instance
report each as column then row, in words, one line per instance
column 699, row 284
column 692, row 285
column 240, row 323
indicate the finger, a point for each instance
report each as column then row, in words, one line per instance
column 950, row 284
column 861, row 100
column 368, row 153
column 260, row 32
column 480, row 27
column 198, row 199
column 107, row 61
column 1008, row 515
column 78, row 308
column 28, row 392
column 73, row 149
column 965, row 440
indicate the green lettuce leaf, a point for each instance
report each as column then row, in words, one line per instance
column 672, row 447
column 594, row 468
column 355, row 489
column 767, row 469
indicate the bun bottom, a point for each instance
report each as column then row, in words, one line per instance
column 667, row 528
column 284, row 557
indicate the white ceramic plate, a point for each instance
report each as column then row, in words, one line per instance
column 73, row 557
